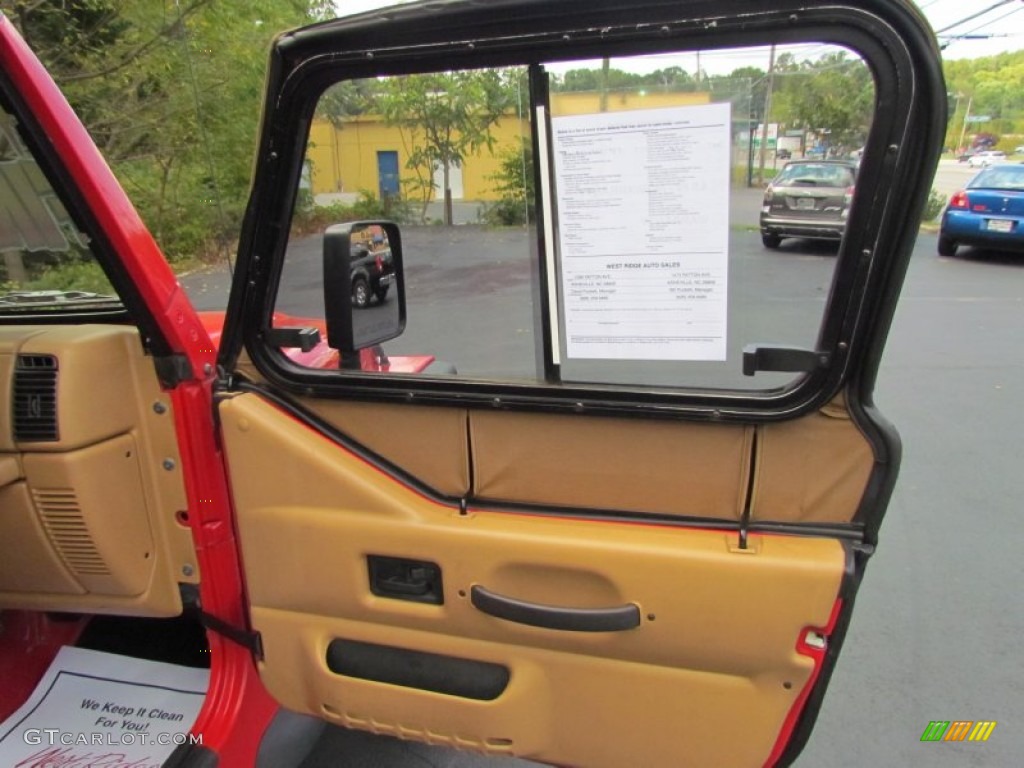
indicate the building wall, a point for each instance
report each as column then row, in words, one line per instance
column 344, row 159
column 589, row 102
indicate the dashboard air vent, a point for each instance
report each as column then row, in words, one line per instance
column 35, row 399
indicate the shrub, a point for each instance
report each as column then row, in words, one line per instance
column 515, row 188
column 74, row 275
column 505, row 213
column 934, row 206
column 314, row 218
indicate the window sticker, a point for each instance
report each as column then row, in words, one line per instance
column 643, row 211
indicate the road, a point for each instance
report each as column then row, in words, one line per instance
column 936, row 631
column 931, row 636
column 951, row 176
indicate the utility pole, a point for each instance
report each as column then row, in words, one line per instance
column 967, row 116
column 605, row 65
column 767, row 113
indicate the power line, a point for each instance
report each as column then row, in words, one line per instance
column 968, row 33
column 973, row 16
column 998, row 18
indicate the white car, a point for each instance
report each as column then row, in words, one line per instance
column 987, row 158
column 1019, row 151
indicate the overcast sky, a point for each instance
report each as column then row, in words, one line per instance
column 1005, row 23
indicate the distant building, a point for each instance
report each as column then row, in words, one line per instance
column 364, row 153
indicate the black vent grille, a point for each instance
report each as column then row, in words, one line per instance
column 35, row 399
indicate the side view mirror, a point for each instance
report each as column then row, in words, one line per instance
column 364, row 286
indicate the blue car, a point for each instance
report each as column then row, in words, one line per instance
column 988, row 213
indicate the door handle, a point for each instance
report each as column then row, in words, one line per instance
column 615, row 619
column 401, row 579
column 415, row 587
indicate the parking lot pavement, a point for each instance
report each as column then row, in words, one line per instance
column 745, row 205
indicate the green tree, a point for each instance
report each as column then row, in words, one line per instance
column 514, row 185
column 832, row 96
column 171, row 92
column 349, row 98
column 446, row 116
column 591, row 80
column 671, row 79
column 994, row 87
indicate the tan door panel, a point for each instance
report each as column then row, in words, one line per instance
column 675, row 468
column 716, row 644
column 811, row 470
column 687, row 469
column 429, row 443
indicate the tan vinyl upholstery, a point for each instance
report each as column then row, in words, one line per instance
column 88, row 521
column 429, row 443
column 811, row 470
column 673, row 468
column 716, row 649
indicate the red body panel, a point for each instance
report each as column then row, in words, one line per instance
column 322, row 357
column 234, row 735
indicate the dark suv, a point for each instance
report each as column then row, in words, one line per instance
column 373, row 271
column 809, row 198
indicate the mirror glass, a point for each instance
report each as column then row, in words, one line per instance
column 371, row 291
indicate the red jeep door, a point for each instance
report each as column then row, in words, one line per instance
column 599, row 542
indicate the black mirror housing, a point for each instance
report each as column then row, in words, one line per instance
column 364, row 285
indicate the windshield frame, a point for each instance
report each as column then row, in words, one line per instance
column 24, row 82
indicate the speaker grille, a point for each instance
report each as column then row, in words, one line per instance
column 62, row 517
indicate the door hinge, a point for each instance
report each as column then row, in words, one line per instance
column 247, row 638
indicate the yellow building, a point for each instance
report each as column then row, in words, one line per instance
column 364, row 153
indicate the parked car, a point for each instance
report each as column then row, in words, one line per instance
column 1018, row 151
column 986, row 158
column 783, row 154
column 809, row 198
column 989, row 212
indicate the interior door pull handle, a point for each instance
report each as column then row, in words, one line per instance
column 615, row 619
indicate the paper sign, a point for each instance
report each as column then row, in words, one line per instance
column 643, row 213
column 94, row 709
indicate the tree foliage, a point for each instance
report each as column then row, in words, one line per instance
column 445, row 117
column 994, row 87
column 515, row 187
column 667, row 79
column 171, row 92
column 833, row 96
